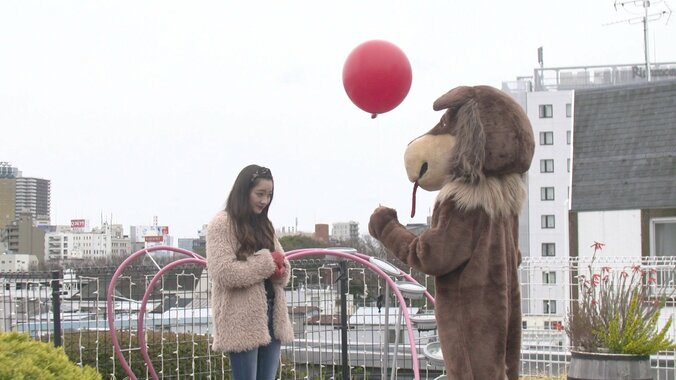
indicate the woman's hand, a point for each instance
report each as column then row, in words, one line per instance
column 278, row 258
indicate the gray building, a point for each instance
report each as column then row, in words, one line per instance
column 624, row 170
column 22, row 237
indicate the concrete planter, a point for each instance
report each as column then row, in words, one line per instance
column 601, row 366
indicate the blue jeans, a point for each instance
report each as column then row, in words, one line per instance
column 262, row 362
column 258, row 364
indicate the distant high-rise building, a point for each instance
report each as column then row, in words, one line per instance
column 34, row 194
column 8, row 171
column 20, row 194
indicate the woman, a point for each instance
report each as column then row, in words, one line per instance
column 248, row 272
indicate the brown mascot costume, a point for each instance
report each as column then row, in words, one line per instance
column 475, row 156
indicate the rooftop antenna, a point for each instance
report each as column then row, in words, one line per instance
column 644, row 18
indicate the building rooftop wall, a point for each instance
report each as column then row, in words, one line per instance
column 579, row 77
column 624, row 146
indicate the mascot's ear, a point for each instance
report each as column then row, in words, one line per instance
column 462, row 112
column 454, row 99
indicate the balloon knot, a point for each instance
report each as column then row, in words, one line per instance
column 373, row 115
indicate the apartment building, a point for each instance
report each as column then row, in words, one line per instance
column 549, row 100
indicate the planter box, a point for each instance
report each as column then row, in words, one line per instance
column 600, row 366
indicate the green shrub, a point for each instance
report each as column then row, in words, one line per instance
column 182, row 356
column 24, row 358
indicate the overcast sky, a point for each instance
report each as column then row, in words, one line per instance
column 142, row 108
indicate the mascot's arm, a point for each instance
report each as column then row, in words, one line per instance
column 442, row 249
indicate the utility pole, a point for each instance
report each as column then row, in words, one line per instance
column 646, row 5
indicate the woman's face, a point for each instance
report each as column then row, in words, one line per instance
column 260, row 195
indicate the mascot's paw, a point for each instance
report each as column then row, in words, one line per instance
column 379, row 219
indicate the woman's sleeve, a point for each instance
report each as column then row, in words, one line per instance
column 224, row 268
column 284, row 280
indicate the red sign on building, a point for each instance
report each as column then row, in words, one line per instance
column 153, row 239
column 77, row 223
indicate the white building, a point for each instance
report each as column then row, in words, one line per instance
column 149, row 236
column 345, row 231
column 544, row 221
column 548, row 98
column 16, row 262
column 120, row 244
column 144, row 237
column 75, row 244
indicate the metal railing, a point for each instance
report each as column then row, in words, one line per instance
column 329, row 299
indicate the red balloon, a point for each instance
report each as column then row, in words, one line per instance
column 377, row 76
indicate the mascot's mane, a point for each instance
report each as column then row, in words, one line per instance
column 498, row 196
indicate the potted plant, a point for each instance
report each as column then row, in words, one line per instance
column 615, row 320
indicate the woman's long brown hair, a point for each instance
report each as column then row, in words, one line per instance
column 253, row 231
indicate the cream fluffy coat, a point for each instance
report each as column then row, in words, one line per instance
column 238, row 300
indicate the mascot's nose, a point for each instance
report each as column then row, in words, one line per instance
column 423, row 170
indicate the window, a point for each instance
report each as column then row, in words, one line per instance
column 568, row 165
column 549, row 307
column 546, row 193
column 549, row 277
column 547, row 221
column 546, row 111
column 553, row 325
column 569, row 110
column 547, row 166
column 568, row 137
column 524, row 325
column 548, row 249
column 546, row 138
column 663, row 236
